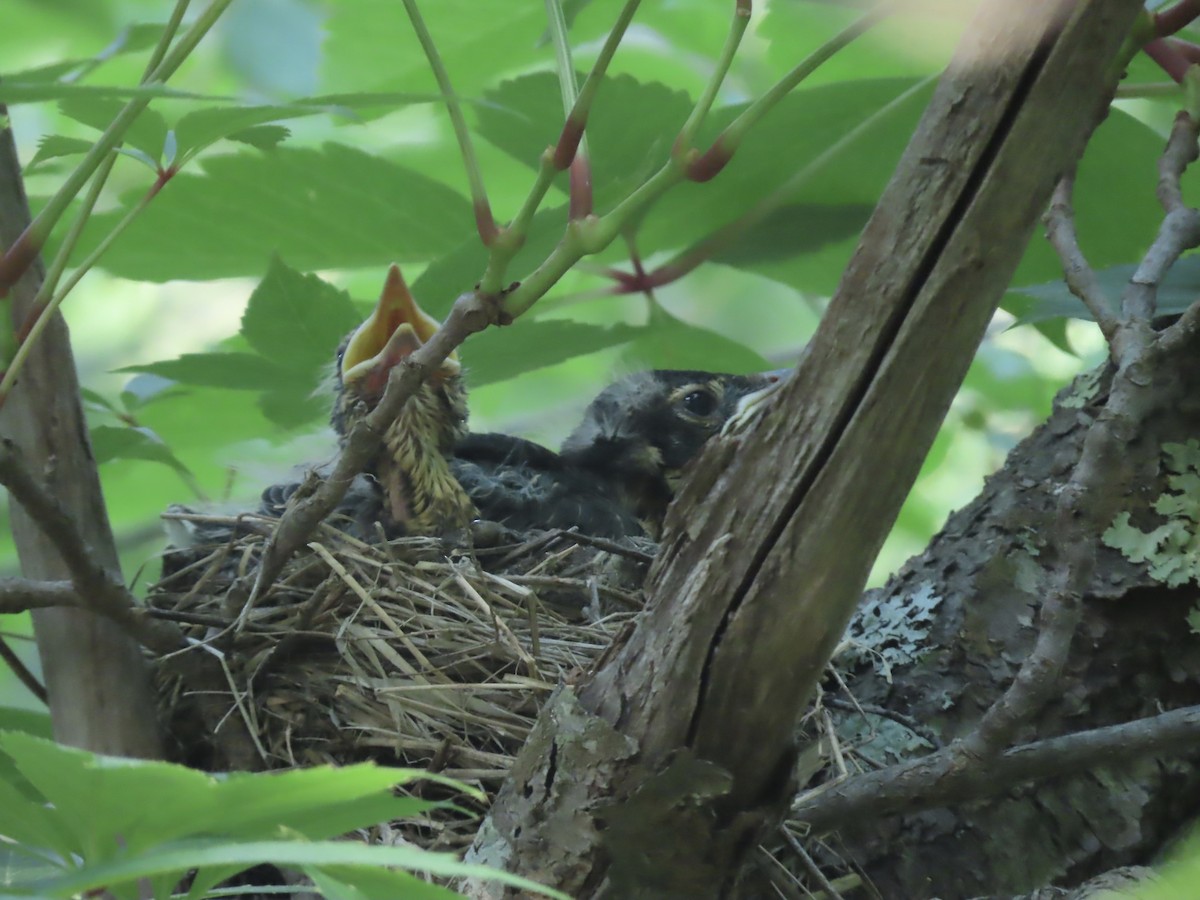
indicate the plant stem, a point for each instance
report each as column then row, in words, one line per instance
column 581, row 182
column 733, row 135
column 483, row 211
column 22, row 253
column 45, row 314
column 741, row 20
column 164, row 41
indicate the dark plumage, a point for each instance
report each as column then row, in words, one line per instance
column 617, row 472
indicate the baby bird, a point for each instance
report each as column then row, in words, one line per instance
column 419, row 494
column 618, row 470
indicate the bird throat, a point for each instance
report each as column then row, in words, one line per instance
column 421, row 494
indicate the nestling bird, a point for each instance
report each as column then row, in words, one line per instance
column 618, row 470
column 419, row 493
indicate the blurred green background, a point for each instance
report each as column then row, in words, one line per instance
column 359, row 183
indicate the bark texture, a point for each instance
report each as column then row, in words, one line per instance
column 747, row 604
column 945, row 636
column 100, row 697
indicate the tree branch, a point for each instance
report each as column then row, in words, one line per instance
column 18, row 595
column 27, row 678
column 924, row 784
column 1080, row 277
column 471, row 313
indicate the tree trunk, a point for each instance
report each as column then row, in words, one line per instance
column 950, row 630
column 680, row 750
column 100, row 696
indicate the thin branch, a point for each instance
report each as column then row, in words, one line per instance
column 26, row 677
column 21, row 254
column 96, row 588
column 484, row 220
column 869, row 709
column 1080, row 277
column 581, row 179
column 926, row 783
column 1170, row 20
column 471, row 313
column 1180, row 229
column 715, row 158
column 18, row 595
column 1169, row 56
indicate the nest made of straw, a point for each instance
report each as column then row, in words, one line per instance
column 398, row 652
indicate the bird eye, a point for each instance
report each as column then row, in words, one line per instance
column 700, row 403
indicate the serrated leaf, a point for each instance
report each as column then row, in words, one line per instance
column 336, row 207
column 1053, row 300
column 203, row 127
column 667, row 342
column 293, row 408
column 1182, row 457
column 793, row 229
column 148, row 132
column 111, row 442
column 630, row 128
column 497, row 354
column 1135, row 545
column 264, row 137
column 54, row 146
column 296, row 320
column 15, row 92
column 242, row 371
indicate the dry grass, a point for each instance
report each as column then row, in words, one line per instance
column 396, row 652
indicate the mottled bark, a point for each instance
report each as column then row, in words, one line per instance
column 946, row 635
column 747, row 602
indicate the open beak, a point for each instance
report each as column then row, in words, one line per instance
column 395, row 329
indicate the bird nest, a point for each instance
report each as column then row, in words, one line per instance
column 405, row 653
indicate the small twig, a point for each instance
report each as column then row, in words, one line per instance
column 95, row 587
column 484, row 220
column 471, row 313
column 604, row 544
column 26, row 677
column 1080, row 278
column 870, row 709
column 810, row 866
column 708, row 164
column 927, row 783
column 18, row 595
column 1170, row 20
column 1180, row 229
column 1169, row 56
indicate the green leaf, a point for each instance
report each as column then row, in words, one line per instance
column 336, row 207
column 111, row 442
column 53, row 146
column 630, row 129
column 1052, row 300
column 242, row 371
column 197, row 130
column 296, row 320
column 363, row 883
column 15, row 92
column 495, row 355
column 667, row 342
column 184, row 855
column 264, row 137
column 148, row 132
column 29, row 721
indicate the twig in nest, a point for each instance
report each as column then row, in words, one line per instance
column 27, row 678
column 869, row 709
column 471, row 312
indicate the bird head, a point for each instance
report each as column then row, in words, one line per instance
column 396, row 328
column 645, row 428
